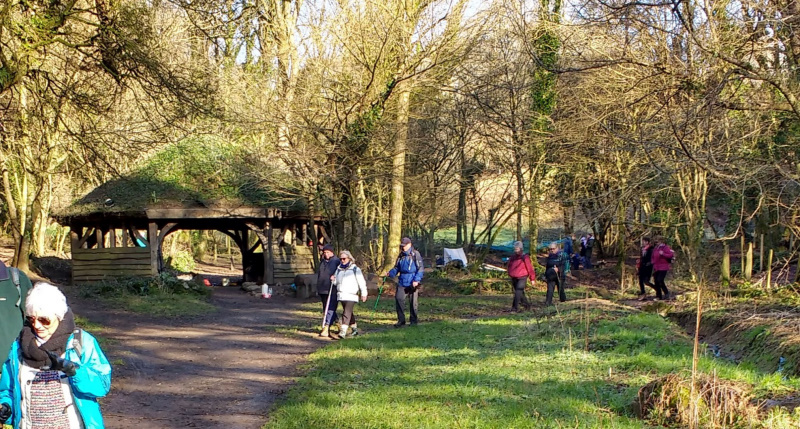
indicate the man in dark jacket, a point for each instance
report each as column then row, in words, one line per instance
column 14, row 287
column 589, row 250
column 327, row 267
column 554, row 273
column 409, row 267
column 645, row 266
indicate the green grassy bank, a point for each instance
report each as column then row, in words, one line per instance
column 529, row 370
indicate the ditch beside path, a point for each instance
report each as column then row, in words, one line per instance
column 221, row 370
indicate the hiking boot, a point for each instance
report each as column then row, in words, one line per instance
column 325, row 332
column 353, row 330
column 399, row 325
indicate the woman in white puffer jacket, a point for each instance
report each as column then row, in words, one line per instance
column 349, row 281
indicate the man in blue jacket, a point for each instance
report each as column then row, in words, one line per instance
column 409, row 267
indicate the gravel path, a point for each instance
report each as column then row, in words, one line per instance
column 222, row 370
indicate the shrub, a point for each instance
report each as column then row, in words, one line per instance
column 181, row 260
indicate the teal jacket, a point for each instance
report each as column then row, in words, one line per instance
column 92, row 381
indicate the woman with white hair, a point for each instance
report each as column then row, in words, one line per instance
column 349, row 281
column 54, row 372
column 520, row 269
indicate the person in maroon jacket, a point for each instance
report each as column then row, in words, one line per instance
column 662, row 258
column 520, row 270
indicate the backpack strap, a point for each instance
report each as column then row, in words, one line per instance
column 77, row 338
column 15, row 279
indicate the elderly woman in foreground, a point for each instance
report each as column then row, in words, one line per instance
column 349, row 281
column 54, row 372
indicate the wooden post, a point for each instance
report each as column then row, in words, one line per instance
column 769, row 270
column 741, row 255
column 748, row 265
column 152, row 241
column 112, row 238
column 247, row 258
column 99, row 237
column 74, row 244
column 761, row 254
column 726, row 264
column 269, row 269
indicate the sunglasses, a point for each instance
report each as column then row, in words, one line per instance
column 44, row 321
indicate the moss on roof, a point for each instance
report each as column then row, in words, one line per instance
column 197, row 172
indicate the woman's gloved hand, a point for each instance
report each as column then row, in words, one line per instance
column 5, row 413
column 60, row 364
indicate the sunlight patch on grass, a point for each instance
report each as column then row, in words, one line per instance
column 502, row 372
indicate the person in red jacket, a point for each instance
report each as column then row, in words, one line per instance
column 520, row 270
column 662, row 258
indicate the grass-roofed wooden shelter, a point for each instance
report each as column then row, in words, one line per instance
column 118, row 228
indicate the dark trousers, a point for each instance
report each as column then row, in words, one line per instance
column 644, row 279
column 661, row 286
column 400, row 304
column 348, row 318
column 588, row 262
column 518, row 284
column 551, row 285
column 331, row 316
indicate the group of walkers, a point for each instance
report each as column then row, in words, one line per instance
column 654, row 263
column 348, row 280
column 54, row 372
column 520, row 269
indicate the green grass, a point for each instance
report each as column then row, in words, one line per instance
column 162, row 304
column 528, row 370
column 162, row 295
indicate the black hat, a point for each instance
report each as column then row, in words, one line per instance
column 405, row 241
column 327, row 247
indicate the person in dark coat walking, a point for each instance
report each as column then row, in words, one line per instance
column 410, row 268
column 520, row 270
column 589, row 250
column 645, row 266
column 328, row 264
column 662, row 258
column 554, row 273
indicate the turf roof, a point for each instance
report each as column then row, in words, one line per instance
column 194, row 173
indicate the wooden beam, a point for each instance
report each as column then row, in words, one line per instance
column 210, row 213
column 112, row 239
column 152, row 235
column 136, row 237
column 100, row 237
column 85, row 238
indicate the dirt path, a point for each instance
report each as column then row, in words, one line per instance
column 225, row 369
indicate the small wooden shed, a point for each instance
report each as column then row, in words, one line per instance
column 118, row 228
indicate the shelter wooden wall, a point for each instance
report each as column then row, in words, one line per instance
column 291, row 260
column 98, row 254
column 96, row 264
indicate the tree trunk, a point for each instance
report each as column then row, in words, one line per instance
column 726, row 265
column 398, row 178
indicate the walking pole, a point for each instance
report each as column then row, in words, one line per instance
column 380, row 289
column 327, row 306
